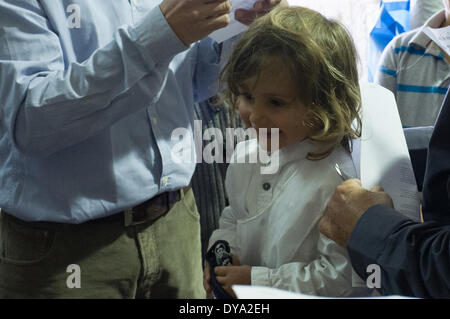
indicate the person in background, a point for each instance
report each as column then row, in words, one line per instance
column 417, row 71
column 414, row 258
column 91, row 93
column 293, row 70
column 422, row 10
column 208, row 181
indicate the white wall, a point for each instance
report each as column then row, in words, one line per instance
column 421, row 10
column 359, row 16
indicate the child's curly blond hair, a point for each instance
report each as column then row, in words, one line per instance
column 322, row 60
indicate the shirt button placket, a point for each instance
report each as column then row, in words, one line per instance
column 133, row 4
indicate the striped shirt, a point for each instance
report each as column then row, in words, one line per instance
column 414, row 68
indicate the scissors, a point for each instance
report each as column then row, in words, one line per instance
column 341, row 173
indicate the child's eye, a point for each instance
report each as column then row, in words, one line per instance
column 246, row 95
column 277, row 103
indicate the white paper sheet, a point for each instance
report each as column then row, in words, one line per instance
column 256, row 292
column 235, row 27
column 440, row 36
column 385, row 158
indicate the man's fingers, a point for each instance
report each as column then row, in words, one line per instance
column 331, row 231
column 215, row 23
column 325, row 226
column 264, row 5
column 347, row 186
column 353, row 182
column 213, row 1
column 216, row 9
column 260, row 8
column 245, row 16
column 377, row 189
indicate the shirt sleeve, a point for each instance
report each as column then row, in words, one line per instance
column 414, row 258
column 330, row 274
column 207, row 69
column 211, row 58
column 231, row 214
column 48, row 106
column 387, row 71
column 226, row 230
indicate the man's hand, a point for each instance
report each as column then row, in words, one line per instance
column 192, row 20
column 261, row 7
column 348, row 203
column 233, row 275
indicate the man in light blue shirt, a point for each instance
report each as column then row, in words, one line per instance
column 91, row 92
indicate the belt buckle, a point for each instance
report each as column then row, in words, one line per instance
column 128, row 218
column 160, row 205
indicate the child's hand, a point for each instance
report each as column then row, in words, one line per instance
column 207, row 281
column 207, row 276
column 233, row 275
column 236, row 261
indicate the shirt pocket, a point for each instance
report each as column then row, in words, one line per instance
column 22, row 244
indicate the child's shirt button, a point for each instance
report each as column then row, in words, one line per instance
column 266, row 186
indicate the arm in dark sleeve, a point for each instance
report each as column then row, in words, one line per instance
column 414, row 257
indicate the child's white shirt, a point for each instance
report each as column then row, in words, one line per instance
column 272, row 220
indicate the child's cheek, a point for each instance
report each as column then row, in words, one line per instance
column 245, row 114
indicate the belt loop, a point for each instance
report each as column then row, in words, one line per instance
column 127, row 217
column 184, row 190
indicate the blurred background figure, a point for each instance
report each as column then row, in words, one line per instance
column 417, row 71
column 208, row 181
column 422, row 10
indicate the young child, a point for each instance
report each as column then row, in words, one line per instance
column 296, row 71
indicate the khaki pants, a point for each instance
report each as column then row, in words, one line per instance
column 52, row 260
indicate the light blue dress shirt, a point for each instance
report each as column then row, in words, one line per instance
column 86, row 114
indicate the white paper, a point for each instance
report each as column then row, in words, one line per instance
column 235, row 27
column 385, row 158
column 257, row 292
column 440, row 36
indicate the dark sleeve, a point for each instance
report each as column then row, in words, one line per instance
column 414, row 257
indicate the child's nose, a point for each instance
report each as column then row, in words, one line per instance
column 258, row 118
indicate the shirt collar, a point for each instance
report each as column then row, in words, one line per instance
column 424, row 41
column 293, row 152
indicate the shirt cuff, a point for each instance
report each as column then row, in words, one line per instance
column 260, row 276
column 156, row 39
column 370, row 236
column 226, row 49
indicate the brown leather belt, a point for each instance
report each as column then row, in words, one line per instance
column 147, row 212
